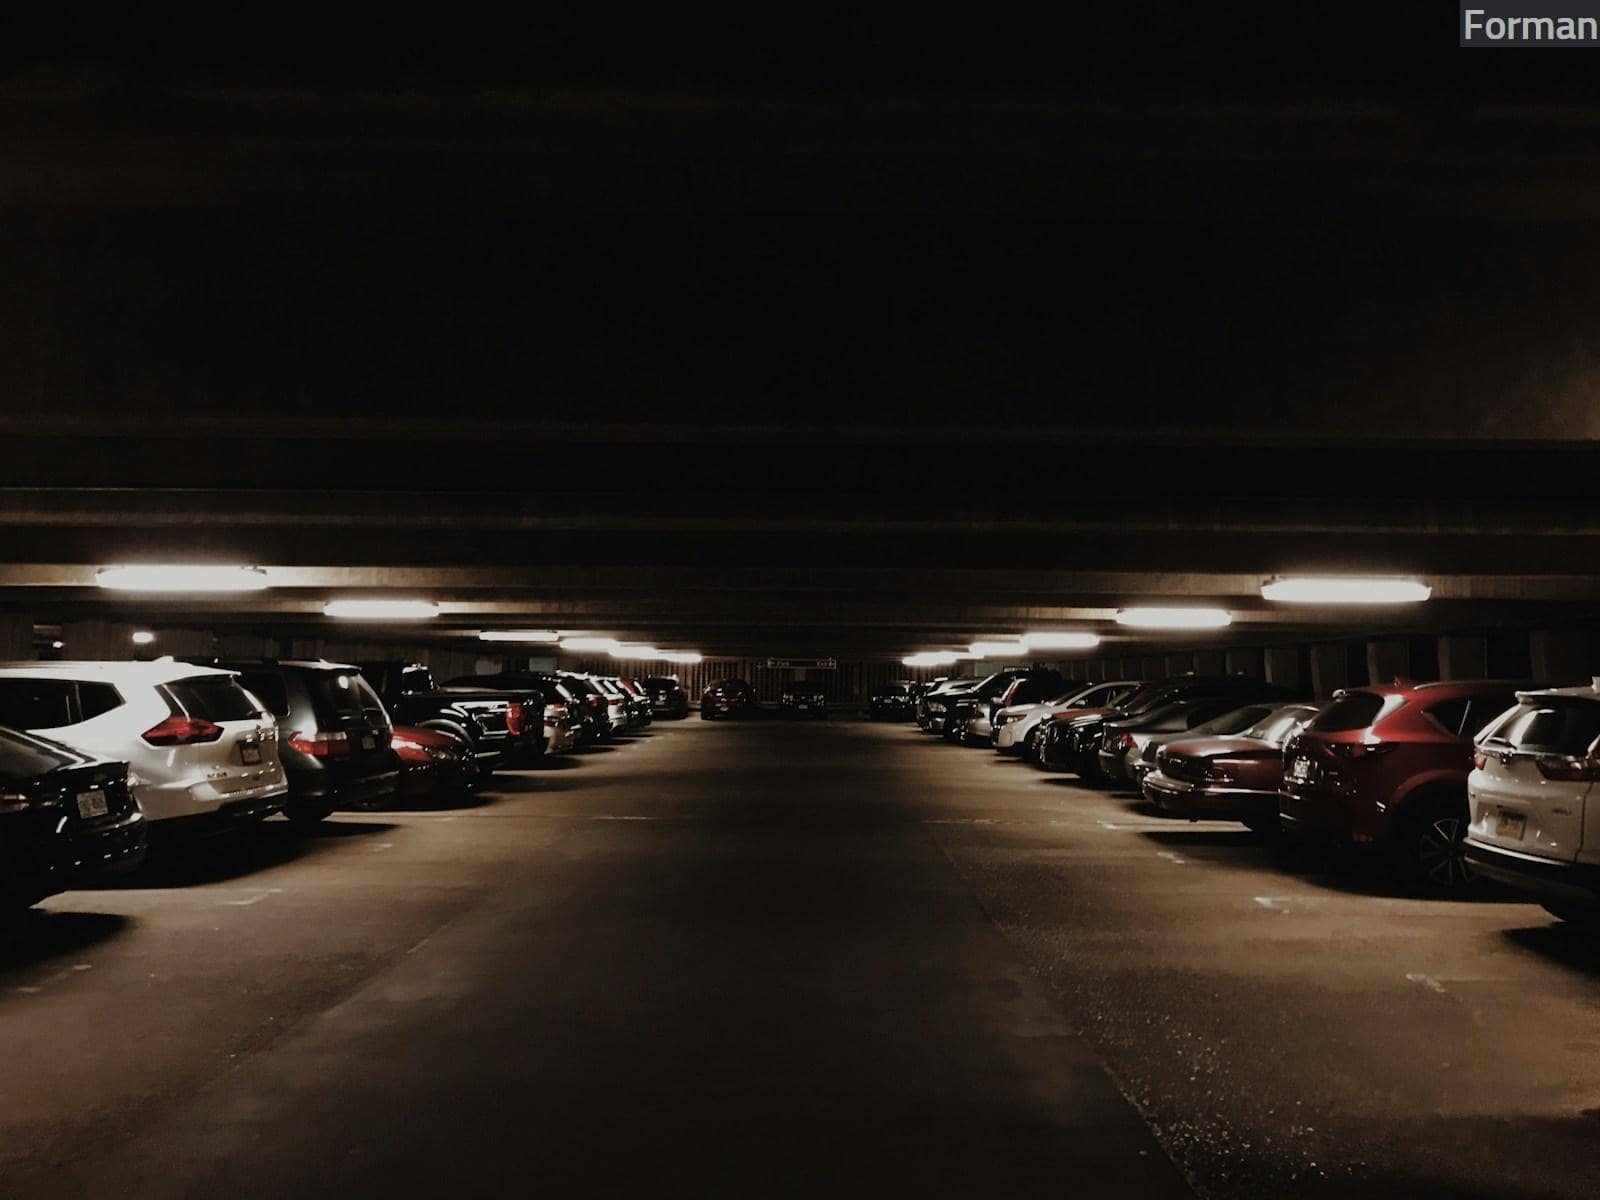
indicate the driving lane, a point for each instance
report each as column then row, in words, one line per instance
column 732, row 958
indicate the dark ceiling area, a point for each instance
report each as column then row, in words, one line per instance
column 861, row 353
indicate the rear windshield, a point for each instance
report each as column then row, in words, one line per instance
column 1278, row 726
column 347, row 696
column 1236, row 721
column 1353, row 710
column 1545, row 726
column 268, row 689
column 23, row 757
column 212, row 698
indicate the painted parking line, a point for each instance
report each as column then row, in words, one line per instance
column 1171, row 857
column 257, row 896
column 34, row 989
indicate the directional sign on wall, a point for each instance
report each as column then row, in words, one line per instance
column 803, row 664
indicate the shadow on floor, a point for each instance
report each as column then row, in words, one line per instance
column 192, row 861
column 1569, row 945
column 39, row 936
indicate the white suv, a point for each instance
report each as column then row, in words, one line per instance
column 1534, row 772
column 196, row 743
column 1012, row 725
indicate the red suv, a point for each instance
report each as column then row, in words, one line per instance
column 1386, row 767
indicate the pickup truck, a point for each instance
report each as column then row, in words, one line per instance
column 492, row 721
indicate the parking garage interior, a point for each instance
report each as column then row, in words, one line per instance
column 825, row 360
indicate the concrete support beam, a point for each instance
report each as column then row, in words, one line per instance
column 1387, row 658
column 1463, row 656
column 1243, row 662
column 1560, row 655
column 16, row 637
column 1330, row 669
column 1283, row 666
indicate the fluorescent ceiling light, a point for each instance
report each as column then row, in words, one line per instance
column 143, row 637
column 1346, row 589
column 1174, row 618
column 603, row 644
column 1061, row 641
column 519, row 635
column 929, row 658
column 682, row 656
column 635, row 650
column 1011, row 649
column 381, row 610
column 182, row 577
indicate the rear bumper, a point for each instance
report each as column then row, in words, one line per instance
column 1206, row 802
column 1111, row 765
column 1548, row 877
column 33, row 866
column 346, row 792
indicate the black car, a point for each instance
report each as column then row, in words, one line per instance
column 892, row 701
column 980, row 701
column 1073, row 744
column 65, row 819
column 333, row 734
column 934, row 702
column 667, row 697
column 578, row 691
column 727, row 698
column 803, row 698
column 503, row 726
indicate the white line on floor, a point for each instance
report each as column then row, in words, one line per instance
column 261, row 894
column 1427, row 981
column 1170, row 856
column 1271, row 902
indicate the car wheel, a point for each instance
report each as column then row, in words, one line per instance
column 306, row 815
column 1437, row 842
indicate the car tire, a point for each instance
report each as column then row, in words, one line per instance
column 1434, row 845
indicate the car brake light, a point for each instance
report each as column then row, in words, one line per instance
column 1125, row 742
column 1480, row 760
column 1566, row 766
column 555, row 712
column 321, row 743
column 514, row 717
column 182, row 731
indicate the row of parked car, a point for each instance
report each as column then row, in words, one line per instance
column 1454, row 781
column 96, row 757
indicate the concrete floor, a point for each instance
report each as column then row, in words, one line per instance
column 763, row 958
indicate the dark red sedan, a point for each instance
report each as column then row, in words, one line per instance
column 1233, row 778
column 435, row 768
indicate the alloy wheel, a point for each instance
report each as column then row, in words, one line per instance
column 1441, row 851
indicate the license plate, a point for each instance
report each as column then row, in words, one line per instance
column 369, row 743
column 1300, row 770
column 1510, row 825
column 92, row 804
column 249, row 753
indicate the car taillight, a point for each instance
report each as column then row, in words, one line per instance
column 182, row 731
column 1566, row 766
column 555, row 712
column 1480, row 760
column 320, row 743
column 514, row 717
column 1125, row 742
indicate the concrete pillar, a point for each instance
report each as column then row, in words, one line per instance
column 16, row 637
column 1559, row 655
column 1243, row 662
column 98, row 641
column 1463, row 657
column 1388, row 657
column 1283, row 666
column 1209, row 662
column 1330, row 669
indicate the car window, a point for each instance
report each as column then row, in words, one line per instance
column 95, row 699
column 1233, row 721
column 37, row 703
column 269, row 689
column 1353, row 710
column 212, row 698
column 24, row 757
column 1483, row 710
column 416, row 679
column 347, row 695
column 1449, row 715
column 1277, row 727
column 1548, row 726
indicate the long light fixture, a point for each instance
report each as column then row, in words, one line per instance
column 182, row 577
column 603, row 645
column 1011, row 649
column 637, row 651
column 682, row 656
column 1061, row 641
column 381, row 610
column 545, row 636
column 1174, row 618
column 930, row 658
column 1345, row 589
column 142, row 637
